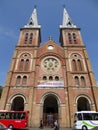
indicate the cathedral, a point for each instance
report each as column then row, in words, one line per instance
column 52, row 81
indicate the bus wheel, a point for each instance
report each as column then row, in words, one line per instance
column 84, row 128
column 10, row 127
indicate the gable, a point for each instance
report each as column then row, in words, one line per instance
column 50, row 48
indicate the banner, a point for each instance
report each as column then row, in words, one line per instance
column 42, row 83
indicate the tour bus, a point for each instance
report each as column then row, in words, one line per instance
column 85, row 120
column 14, row 119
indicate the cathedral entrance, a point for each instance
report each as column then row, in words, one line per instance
column 17, row 104
column 50, row 110
column 83, row 104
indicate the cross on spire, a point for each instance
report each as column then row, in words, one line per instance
column 50, row 37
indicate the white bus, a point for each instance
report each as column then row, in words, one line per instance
column 85, row 120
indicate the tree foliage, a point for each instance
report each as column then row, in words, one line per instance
column 0, row 91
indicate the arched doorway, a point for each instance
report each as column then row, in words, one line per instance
column 18, row 104
column 50, row 110
column 83, row 104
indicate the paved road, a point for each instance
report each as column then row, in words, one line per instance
column 49, row 128
column 45, row 128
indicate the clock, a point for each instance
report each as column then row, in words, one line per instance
column 50, row 47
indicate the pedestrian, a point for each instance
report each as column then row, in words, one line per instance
column 56, row 127
column 41, row 124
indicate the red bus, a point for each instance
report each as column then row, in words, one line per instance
column 14, row 119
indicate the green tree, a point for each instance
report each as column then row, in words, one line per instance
column 0, row 91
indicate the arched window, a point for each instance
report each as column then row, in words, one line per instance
column 56, row 78
column 18, row 104
column 69, row 38
column 74, row 38
column 21, row 64
column 31, row 36
column 26, row 65
column 26, row 38
column 18, row 79
column 74, row 65
column 24, row 80
column 79, row 65
column 83, row 104
column 44, row 78
column 76, row 81
column 50, row 78
column 83, row 83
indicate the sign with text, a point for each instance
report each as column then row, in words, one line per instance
column 42, row 83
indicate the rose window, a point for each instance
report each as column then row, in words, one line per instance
column 51, row 64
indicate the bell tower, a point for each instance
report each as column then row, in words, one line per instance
column 80, row 78
column 20, row 78
column 69, row 33
column 30, row 33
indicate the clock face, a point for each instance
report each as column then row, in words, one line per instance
column 50, row 47
column 50, row 64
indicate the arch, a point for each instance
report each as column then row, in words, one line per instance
column 56, row 56
column 21, row 64
column 50, row 102
column 18, row 102
column 23, row 56
column 23, row 53
column 56, row 78
column 26, row 67
column 18, row 80
column 79, row 65
column 50, row 93
column 76, row 80
column 83, row 103
column 79, row 59
column 44, row 78
column 83, row 82
column 24, row 80
column 74, row 65
column 50, row 78
column 75, row 55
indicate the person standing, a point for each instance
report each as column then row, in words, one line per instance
column 56, row 127
column 41, row 124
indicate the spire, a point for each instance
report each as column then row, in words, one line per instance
column 33, row 21
column 67, row 23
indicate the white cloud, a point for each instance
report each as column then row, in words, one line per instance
column 6, row 32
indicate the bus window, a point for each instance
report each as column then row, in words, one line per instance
column 7, row 116
column 79, row 116
column 2, row 116
column 22, row 116
column 87, row 116
column 96, row 117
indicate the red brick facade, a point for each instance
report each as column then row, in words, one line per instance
column 66, row 80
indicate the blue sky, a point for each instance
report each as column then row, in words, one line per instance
column 14, row 14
